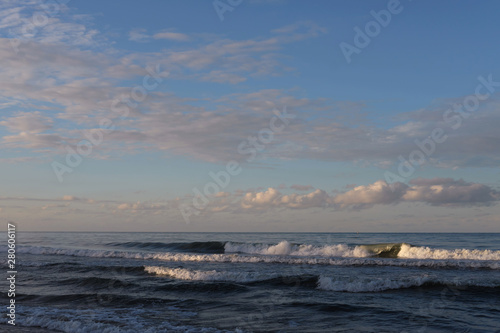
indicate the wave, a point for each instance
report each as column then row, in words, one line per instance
column 306, row 250
column 419, row 252
column 355, row 285
column 213, row 275
column 194, row 247
column 465, row 261
column 98, row 320
column 383, row 284
column 303, row 250
column 285, row 248
column 384, row 250
column 282, row 248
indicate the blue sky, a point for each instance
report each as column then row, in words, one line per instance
column 185, row 91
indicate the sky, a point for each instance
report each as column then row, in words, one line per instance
column 250, row 116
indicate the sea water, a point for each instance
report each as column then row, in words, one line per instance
column 257, row 282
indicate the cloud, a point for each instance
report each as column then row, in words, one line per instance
column 24, row 21
column 435, row 192
column 72, row 86
column 29, row 127
column 260, row 199
column 70, row 198
column 63, row 200
column 32, row 122
column 436, row 181
column 55, row 206
column 138, row 35
column 272, row 198
column 141, row 35
column 234, row 61
column 153, row 208
column 75, row 88
column 368, row 195
column 32, row 140
column 448, row 192
column 301, row 30
column 301, row 187
column 317, row 198
column 172, row 36
column 443, row 192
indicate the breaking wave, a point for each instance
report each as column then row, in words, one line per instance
column 303, row 250
column 419, row 252
column 385, row 250
column 354, row 285
column 397, row 254
column 213, row 275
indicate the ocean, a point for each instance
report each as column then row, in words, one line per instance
column 256, row 282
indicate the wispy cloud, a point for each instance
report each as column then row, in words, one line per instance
column 141, row 35
column 74, row 80
column 172, row 36
column 24, row 21
column 301, row 187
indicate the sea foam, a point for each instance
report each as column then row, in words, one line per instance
column 212, row 275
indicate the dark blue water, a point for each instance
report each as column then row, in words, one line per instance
column 258, row 282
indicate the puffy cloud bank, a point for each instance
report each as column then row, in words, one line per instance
column 436, row 192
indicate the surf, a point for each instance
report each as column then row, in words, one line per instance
column 294, row 254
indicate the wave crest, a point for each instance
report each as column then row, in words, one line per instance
column 432, row 258
column 213, row 275
column 302, row 250
column 419, row 252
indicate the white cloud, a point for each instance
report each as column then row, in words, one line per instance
column 70, row 198
column 32, row 122
column 138, row 35
column 448, row 192
column 78, row 86
column 172, row 36
column 260, row 199
column 24, row 21
column 436, row 192
column 368, row 195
